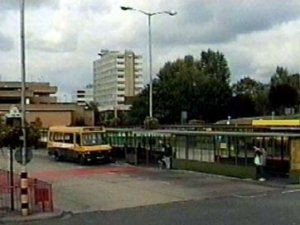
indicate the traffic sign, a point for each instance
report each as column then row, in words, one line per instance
column 13, row 112
column 28, row 156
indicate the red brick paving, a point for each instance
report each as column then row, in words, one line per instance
column 83, row 172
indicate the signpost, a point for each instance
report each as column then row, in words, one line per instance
column 12, row 119
column 28, row 156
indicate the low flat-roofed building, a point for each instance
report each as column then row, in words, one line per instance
column 35, row 93
column 40, row 104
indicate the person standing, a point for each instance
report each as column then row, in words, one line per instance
column 259, row 161
column 165, row 159
column 168, row 156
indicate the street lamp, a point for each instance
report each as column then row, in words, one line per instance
column 24, row 180
column 171, row 13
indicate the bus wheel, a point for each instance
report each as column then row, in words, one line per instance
column 57, row 157
column 81, row 160
column 110, row 159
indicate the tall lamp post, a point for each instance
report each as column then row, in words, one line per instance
column 24, row 180
column 149, row 15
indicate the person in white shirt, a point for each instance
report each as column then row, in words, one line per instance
column 260, row 162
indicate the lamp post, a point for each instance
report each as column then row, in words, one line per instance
column 24, row 180
column 149, row 15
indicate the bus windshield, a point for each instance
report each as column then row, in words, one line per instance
column 91, row 139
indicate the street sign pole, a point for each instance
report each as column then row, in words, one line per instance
column 12, row 119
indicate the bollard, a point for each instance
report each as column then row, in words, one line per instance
column 24, row 192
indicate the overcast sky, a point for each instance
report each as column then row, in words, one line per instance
column 63, row 37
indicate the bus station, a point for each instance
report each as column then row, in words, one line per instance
column 216, row 150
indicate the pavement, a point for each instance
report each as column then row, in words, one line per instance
column 120, row 186
column 17, row 217
column 59, row 213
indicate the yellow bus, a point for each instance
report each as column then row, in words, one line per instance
column 82, row 144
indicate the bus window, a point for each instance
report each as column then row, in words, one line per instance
column 68, row 138
column 90, row 139
column 51, row 136
column 78, row 139
column 58, row 137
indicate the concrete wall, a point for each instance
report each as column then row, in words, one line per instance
column 53, row 118
column 86, row 115
column 215, row 168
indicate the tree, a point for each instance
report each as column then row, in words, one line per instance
column 10, row 135
column 139, row 109
column 242, row 105
column 214, row 64
column 247, row 86
column 281, row 76
column 283, row 95
column 262, row 103
column 200, row 87
column 284, row 91
column 256, row 91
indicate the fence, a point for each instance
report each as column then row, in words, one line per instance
column 39, row 194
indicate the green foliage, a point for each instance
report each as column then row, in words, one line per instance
column 114, row 122
column 283, row 95
column 151, row 123
column 262, row 103
column 254, row 93
column 247, row 86
column 215, row 65
column 281, row 76
column 242, row 105
column 33, row 136
column 9, row 136
column 284, row 91
column 139, row 109
column 200, row 87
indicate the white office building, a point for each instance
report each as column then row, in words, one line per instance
column 117, row 76
column 84, row 95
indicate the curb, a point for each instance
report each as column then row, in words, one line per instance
column 266, row 183
column 16, row 217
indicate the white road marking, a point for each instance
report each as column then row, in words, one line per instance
column 250, row 196
column 290, row 191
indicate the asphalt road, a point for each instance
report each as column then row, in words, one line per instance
column 115, row 186
column 274, row 208
column 122, row 194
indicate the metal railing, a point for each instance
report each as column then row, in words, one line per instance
column 39, row 194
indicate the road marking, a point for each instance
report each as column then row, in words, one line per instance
column 290, row 191
column 249, row 196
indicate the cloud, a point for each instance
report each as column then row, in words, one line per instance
column 258, row 54
column 222, row 21
column 6, row 43
column 15, row 4
column 63, row 37
column 62, row 30
column 66, row 25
